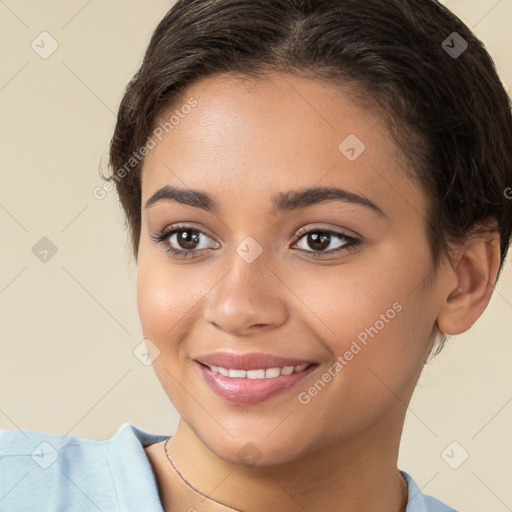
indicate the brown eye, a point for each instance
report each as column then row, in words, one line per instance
column 318, row 242
column 182, row 241
column 187, row 239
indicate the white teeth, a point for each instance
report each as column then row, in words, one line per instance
column 242, row 374
column 223, row 371
column 268, row 373
column 255, row 374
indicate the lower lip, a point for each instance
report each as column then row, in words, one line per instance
column 250, row 391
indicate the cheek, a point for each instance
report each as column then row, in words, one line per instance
column 165, row 305
column 164, row 300
column 374, row 320
column 345, row 302
column 154, row 303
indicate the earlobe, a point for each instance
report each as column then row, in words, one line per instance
column 476, row 271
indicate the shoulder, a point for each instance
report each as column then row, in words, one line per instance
column 419, row 502
column 70, row 473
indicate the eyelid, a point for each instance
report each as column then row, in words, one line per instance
column 181, row 226
column 350, row 242
column 330, row 229
column 191, row 226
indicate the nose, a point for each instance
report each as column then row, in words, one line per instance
column 248, row 298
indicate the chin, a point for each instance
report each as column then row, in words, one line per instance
column 255, row 451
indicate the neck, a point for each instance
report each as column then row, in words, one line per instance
column 357, row 473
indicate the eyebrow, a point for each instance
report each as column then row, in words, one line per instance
column 282, row 202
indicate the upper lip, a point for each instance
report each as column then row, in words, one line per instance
column 250, row 361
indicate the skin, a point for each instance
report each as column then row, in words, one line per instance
column 243, row 143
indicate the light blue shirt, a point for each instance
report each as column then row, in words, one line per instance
column 50, row 472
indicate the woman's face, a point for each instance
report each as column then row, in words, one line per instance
column 254, row 282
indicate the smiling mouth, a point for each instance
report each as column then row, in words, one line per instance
column 259, row 373
column 252, row 386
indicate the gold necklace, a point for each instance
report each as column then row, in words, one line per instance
column 206, row 497
column 405, row 486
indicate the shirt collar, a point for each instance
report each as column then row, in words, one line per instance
column 133, row 476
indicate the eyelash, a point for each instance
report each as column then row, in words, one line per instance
column 163, row 236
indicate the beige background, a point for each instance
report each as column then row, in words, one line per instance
column 69, row 326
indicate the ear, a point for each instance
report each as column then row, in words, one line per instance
column 475, row 271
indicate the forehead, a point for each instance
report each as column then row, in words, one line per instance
column 274, row 134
